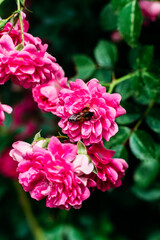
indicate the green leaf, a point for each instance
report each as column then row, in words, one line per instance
column 108, row 18
column 103, row 75
column 146, row 173
column 3, row 23
column 142, row 146
column 117, row 5
column 121, row 152
column 153, row 119
column 81, row 148
column 141, row 57
column 37, row 136
column 85, row 66
column 147, row 195
column 105, row 54
column 133, row 113
column 120, row 137
column 129, row 22
column 126, row 88
column 152, row 83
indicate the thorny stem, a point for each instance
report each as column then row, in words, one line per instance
column 32, row 222
column 140, row 120
column 20, row 20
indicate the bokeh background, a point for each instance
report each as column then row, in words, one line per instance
column 73, row 31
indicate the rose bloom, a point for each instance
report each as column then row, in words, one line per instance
column 109, row 170
column 46, row 95
column 4, row 108
column 29, row 67
column 54, row 172
column 15, row 32
column 150, row 10
column 7, row 165
column 87, row 112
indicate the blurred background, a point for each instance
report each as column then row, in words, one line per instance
column 74, row 31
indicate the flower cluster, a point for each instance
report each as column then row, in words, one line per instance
column 61, row 172
column 63, row 176
column 29, row 66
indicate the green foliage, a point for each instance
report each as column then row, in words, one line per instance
column 108, row 18
column 129, row 22
column 105, row 54
column 85, row 66
column 146, row 173
column 142, row 146
column 153, row 119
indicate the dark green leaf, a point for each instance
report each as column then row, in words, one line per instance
column 133, row 114
column 153, row 119
column 141, row 57
column 108, row 18
column 117, row 5
column 119, row 138
column 147, row 195
column 121, row 152
column 152, row 83
column 105, row 54
column 146, row 173
column 84, row 66
column 142, row 146
column 126, row 88
column 103, row 75
column 129, row 23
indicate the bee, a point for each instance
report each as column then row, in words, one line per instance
column 85, row 115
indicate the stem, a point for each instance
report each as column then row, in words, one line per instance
column 32, row 222
column 20, row 20
column 119, row 80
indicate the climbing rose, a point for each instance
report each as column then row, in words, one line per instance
column 54, row 173
column 150, row 10
column 103, row 109
column 29, row 67
column 4, row 108
column 7, row 165
column 46, row 95
column 109, row 170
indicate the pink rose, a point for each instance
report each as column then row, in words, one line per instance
column 54, row 172
column 46, row 95
column 109, row 170
column 29, row 67
column 87, row 112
